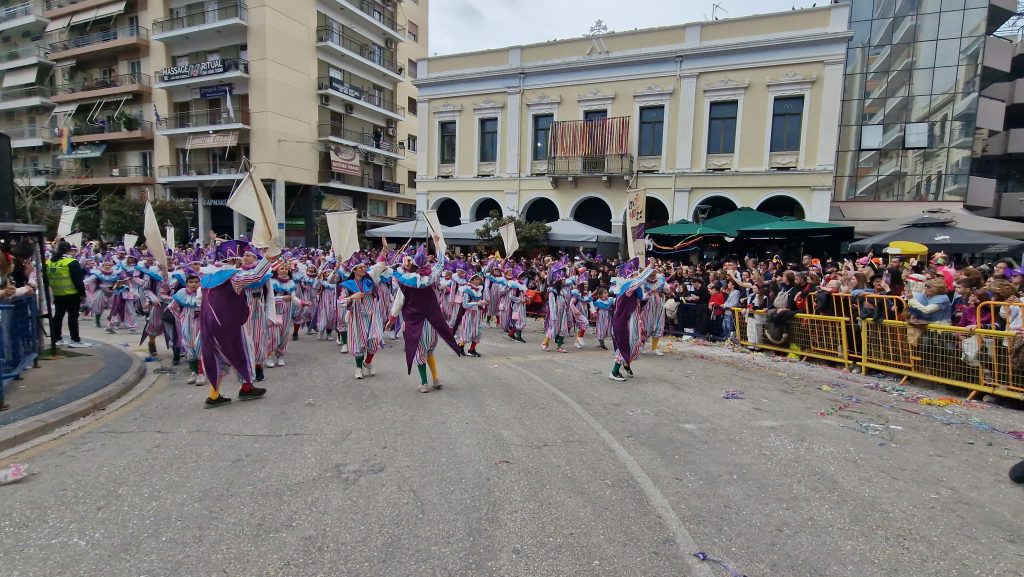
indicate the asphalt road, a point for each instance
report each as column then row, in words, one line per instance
column 525, row 464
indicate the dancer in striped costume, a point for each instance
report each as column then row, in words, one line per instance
column 493, row 301
column 326, row 304
column 102, row 299
column 310, row 294
column 458, row 280
column 185, row 307
column 356, row 297
column 579, row 308
column 625, row 320
column 604, row 305
column 512, row 309
column 339, row 315
column 129, row 296
column 653, row 311
column 122, row 308
column 558, row 321
column 261, row 313
column 151, row 282
column 287, row 305
column 222, row 318
column 417, row 301
column 471, row 324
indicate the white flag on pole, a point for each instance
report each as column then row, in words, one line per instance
column 130, row 240
column 67, row 219
column 74, row 240
column 169, row 237
column 344, row 236
column 251, row 200
column 154, row 241
column 508, row 234
column 435, row 230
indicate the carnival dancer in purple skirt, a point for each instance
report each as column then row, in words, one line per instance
column 630, row 289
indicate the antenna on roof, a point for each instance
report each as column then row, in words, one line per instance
column 715, row 9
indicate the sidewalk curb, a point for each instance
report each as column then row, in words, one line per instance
column 25, row 430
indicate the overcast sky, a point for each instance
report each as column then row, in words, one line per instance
column 468, row 25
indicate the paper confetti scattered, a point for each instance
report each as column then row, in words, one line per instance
column 732, row 395
column 13, row 473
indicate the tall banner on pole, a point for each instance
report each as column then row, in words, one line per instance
column 508, row 234
column 169, row 237
column 67, row 219
column 344, row 236
column 636, row 216
column 130, row 240
column 435, row 229
column 74, row 240
column 251, row 200
column 154, row 240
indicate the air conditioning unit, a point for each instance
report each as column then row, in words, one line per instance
column 349, row 108
column 389, row 43
column 325, row 100
column 392, row 131
column 391, row 123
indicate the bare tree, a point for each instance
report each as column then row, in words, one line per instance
column 40, row 203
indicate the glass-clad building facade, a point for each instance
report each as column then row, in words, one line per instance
column 912, row 102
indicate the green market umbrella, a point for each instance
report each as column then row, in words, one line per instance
column 685, row 228
column 732, row 222
column 788, row 226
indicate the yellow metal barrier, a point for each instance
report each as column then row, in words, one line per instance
column 810, row 336
column 940, row 355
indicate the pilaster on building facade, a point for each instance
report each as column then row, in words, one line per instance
column 178, row 97
column 717, row 115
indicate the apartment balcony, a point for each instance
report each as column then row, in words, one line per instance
column 359, row 183
column 35, row 176
column 29, row 136
column 205, row 121
column 106, row 41
column 371, row 57
column 366, row 98
column 126, row 131
column 215, row 22
column 24, row 16
column 365, row 11
column 997, row 60
column 605, row 166
column 383, row 145
column 24, row 56
column 101, row 87
column 999, row 13
column 115, row 175
column 202, row 73
column 200, row 172
column 15, row 98
column 58, row 8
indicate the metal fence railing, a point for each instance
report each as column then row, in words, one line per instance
column 19, row 337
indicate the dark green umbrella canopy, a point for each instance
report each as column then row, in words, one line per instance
column 732, row 222
column 685, row 228
column 789, row 226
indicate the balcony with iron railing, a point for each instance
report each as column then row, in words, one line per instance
column 123, row 129
column 374, row 54
column 14, row 57
column 115, row 38
column 603, row 165
column 10, row 14
column 11, row 98
column 25, row 136
column 103, row 86
column 215, row 17
column 204, row 119
column 360, row 94
column 201, row 170
column 377, row 143
column 364, row 182
column 368, row 10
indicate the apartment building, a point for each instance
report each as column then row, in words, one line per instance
column 307, row 90
column 707, row 116
column 925, row 95
column 75, row 94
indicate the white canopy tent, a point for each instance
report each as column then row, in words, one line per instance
column 464, row 232
column 567, row 232
column 403, row 230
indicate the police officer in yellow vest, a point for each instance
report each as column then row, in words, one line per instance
column 67, row 283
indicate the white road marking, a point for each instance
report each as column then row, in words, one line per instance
column 683, row 539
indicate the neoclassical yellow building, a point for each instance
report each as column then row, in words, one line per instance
column 716, row 115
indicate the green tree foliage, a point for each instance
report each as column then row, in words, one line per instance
column 532, row 235
column 127, row 215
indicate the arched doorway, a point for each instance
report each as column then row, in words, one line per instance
column 782, row 206
column 541, row 210
column 448, row 212
column 656, row 213
column 594, row 212
column 485, row 207
column 716, row 205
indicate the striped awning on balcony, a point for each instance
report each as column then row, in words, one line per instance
column 576, row 138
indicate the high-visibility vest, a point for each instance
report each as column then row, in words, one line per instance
column 59, row 274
